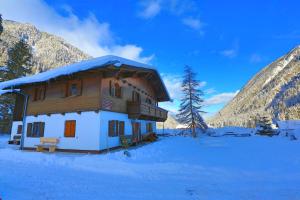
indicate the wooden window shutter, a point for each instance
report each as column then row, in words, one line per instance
column 66, row 90
column 35, row 94
column 42, row 128
column 116, row 128
column 70, row 128
column 29, row 129
column 34, row 129
column 110, row 88
column 67, row 129
column 19, row 131
column 111, row 126
column 73, row 128
column 44, row 88
column 121, row 128
column 79, row 89
column 118, row 89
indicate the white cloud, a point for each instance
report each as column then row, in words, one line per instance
column 220, row 98
column 231, row 52
column 151, row 9
column 209, row 91
column 193, row 23
column 91, row 36
column 180, row 8
column 173, row 85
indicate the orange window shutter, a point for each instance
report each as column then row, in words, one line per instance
column 73, row 128
column 67, row 129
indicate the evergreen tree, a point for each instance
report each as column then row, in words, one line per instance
column 19, row 61
column 18, row 65
column 264, row 126
column 1, row 26
column 191, row 103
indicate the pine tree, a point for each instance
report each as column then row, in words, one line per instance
column 1, row 26
column 19, row 61
column 18, row 65
column 191, row 103
column 264, row 126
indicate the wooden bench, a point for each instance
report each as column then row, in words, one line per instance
column 48, row 143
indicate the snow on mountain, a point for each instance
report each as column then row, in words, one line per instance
column 48, row 51
column 274, row 91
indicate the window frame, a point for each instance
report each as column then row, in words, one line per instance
column 70, row 129
column 39, row 93
column 35, row 129
column 68, row 88
column 115, row 89
column 116, row 128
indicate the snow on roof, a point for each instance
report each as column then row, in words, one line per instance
column 77, row 67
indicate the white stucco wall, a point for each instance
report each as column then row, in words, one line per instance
column 86, row 134
column 91, row 129
column 109, row 142
column 14, row 128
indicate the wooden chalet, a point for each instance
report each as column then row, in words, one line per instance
column 88, row 105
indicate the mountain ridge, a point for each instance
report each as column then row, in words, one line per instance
column 49, row 51
column 273, row 91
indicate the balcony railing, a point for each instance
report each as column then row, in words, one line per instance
column 137, row 110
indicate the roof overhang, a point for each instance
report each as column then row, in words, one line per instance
column 97, row 63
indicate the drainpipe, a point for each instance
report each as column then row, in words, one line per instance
column 26, row 96
column 24, row 120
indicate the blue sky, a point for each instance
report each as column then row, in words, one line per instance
column 225, row 42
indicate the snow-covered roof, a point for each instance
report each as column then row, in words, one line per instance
column 77, row 67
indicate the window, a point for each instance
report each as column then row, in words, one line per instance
column 149, row 127
column 70, row 127
column 115, row 90
column 35, row 129
column 19, row 130
column 115, row 128
column 39, row 93
column 73, row 88
column 135, row 96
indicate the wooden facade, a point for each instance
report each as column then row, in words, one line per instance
column 117, row 90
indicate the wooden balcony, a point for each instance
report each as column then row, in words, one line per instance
column 146, row 111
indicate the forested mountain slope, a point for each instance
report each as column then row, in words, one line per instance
column 274, row 91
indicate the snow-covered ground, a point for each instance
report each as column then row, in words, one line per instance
column 178, row 167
